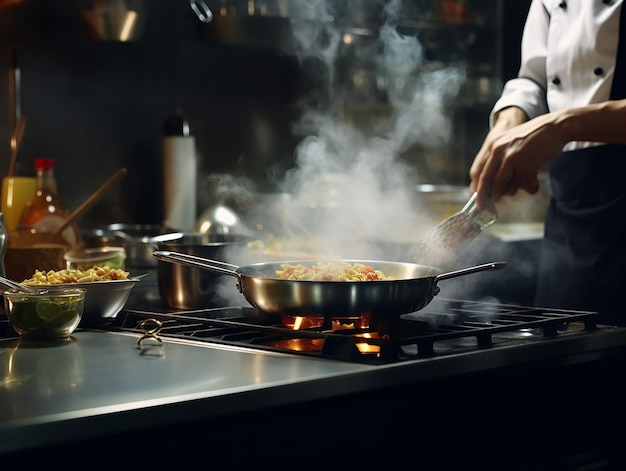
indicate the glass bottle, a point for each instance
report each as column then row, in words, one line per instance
column 45, row 211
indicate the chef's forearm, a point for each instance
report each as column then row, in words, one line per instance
column 600, row 122
column 508, row 118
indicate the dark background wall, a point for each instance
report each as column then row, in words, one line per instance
column 96, row 106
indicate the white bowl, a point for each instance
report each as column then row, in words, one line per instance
column 105, row 299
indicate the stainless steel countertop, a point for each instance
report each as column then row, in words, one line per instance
column 100, row 373
column 102, row 382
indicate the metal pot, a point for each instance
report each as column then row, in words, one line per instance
column 184, row 287
column 409, row 289
column 139, row 241
column 27, row 21
column 115, row 20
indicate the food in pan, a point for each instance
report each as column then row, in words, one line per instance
column 340, row 271
column 65, row 276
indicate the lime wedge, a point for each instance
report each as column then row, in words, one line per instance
column 47, row 310
column 62, row 319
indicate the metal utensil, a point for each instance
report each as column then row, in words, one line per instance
column 443, row 243
column 11, row 284
column 16, row 140
column 202, row 11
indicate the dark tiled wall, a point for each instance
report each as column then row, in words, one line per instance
column 97, row 106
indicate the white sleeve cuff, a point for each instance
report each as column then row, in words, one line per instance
column 523, row 93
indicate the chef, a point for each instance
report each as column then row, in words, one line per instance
column 566, row 112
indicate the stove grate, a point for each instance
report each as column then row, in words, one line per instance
column 444, row 326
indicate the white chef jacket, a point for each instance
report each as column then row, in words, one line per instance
column 567, row 58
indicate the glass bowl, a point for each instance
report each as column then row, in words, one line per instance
column 84, row 259
column 51, row 313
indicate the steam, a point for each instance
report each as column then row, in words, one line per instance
column 350, row 186
column 352, row 192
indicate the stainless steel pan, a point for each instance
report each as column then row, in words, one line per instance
column 409, row 289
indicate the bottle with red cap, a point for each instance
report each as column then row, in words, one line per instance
column 45, row 211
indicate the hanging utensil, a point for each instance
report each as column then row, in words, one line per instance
column 444, row 242
column 16, row 140
column 89, row 201
column 202, row 11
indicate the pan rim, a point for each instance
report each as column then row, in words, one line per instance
column 241, row 270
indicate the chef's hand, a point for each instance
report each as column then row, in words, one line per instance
column 514, row 152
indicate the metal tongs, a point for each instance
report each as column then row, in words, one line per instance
column 468, row 215
column 446, row 240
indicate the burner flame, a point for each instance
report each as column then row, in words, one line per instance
column 316, row 322
column 369, row 348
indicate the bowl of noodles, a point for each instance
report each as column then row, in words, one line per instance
column 107, row 289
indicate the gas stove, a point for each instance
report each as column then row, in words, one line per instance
column 445, row 326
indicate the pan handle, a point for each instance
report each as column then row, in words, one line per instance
column 467, row 271
column 197, row 262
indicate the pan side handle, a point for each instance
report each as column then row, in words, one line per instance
column 467, row 271
column 197, row 262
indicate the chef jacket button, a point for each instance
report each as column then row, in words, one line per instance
column 556, row 81
column 607, row 2
column 598, row 71
column 563, row 5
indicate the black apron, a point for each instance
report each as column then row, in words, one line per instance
column 583, row 257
